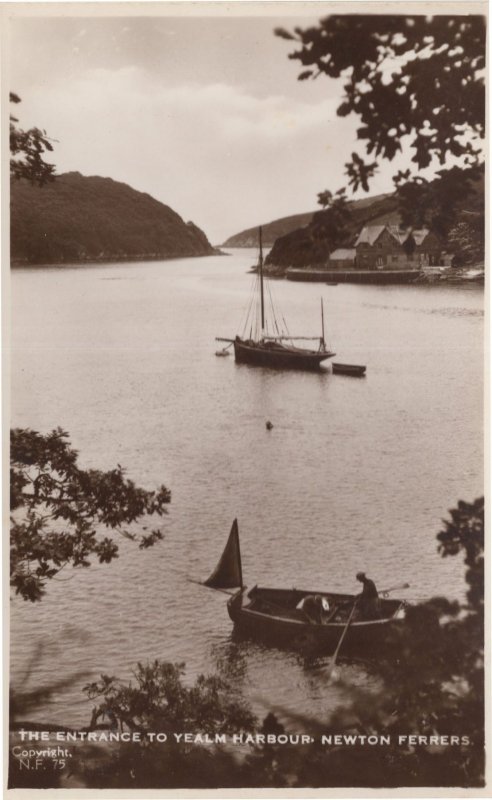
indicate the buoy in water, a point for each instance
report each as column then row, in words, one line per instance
column 269, row 425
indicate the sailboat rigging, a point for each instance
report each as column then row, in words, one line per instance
column 274, row 348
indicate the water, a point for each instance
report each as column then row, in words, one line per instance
column 355, row 475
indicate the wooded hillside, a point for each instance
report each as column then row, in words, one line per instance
column 77, row 219
column 272, row 231
column 308, row 246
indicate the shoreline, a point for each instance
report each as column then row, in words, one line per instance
column 130, row 259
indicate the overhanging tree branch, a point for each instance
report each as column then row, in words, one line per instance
column 62, row 520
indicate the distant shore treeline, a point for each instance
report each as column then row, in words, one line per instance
column 77, row 219
column 367, row 208
column 299, row 240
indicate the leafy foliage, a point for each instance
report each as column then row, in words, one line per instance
column 159, row 701
column 465, row 532
column 27, row 149
column 332, row 224
column 58, row 509
column 467, row 239
column 415, row 83
column 438, row 204
column 405, row 76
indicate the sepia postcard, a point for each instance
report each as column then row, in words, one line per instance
column 244, row 295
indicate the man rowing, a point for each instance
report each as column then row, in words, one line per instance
column 368, row 601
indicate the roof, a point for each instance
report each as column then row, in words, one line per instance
column 343, row 253
column 371, row 233
column 400, row 234
column 420, row 235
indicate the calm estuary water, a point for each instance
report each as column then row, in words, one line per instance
column 356, row 474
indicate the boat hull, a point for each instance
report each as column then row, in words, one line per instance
column 354, row 370
column 277, row 621
column 261, row 355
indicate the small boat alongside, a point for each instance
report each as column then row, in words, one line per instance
column 472, row 275
column 354, row 370
column 277, row 616
column 265, row 342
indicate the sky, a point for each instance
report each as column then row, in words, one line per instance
column 204, row 113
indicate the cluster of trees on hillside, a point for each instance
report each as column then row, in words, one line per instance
column 81, row 218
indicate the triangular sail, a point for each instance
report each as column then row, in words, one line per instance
column 228, row 572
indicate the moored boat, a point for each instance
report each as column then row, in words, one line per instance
column 276, row 615
column 278, row 350
column 272, row 353
column 355, row 370
column 472, row 275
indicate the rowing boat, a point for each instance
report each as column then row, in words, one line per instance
column 355, row 370
column 276, row 615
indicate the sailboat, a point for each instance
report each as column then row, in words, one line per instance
column 277, row 616
column 265, row 349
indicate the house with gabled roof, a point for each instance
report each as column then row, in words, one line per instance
column 391, row 247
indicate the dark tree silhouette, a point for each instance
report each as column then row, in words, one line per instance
column 58, row 510
column 27, row 149
column 415, row 76
column 416, row 83
column 159, row 701
column 332, row 224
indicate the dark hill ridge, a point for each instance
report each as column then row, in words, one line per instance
column 270, row 231
column 285, row 225
column 304, row 247
column 79, row 219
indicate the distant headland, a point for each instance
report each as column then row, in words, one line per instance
column 77, row 219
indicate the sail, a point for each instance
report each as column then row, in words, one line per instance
column 228, row 573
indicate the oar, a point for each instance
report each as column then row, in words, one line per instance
column 333, row 660
column 385, row 592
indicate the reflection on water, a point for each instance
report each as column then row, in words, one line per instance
column 356, row 474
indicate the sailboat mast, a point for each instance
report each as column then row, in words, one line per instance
column 241, row 584
column 322, row 324
column 260, row 264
